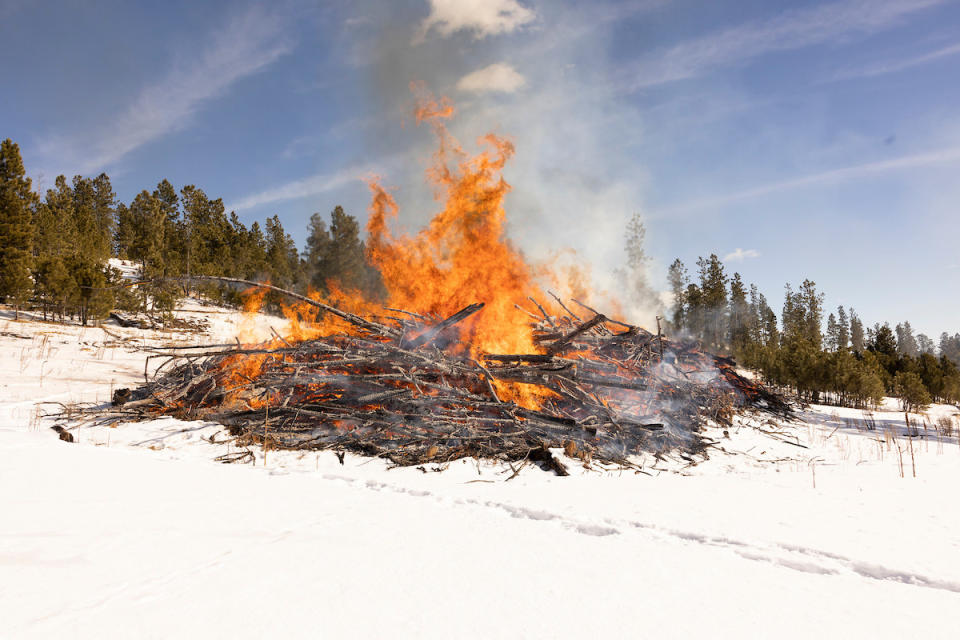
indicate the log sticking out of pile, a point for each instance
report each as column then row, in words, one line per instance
column 406, row 390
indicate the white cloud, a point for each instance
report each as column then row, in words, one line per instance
column 739, row 255
column 899, row 65
column 496, row 77
column 481, row 17
column 790, row 30
column 855, row 172
column 310, row 186
column 247, row 44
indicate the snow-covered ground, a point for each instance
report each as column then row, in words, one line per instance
column 135, row 531
column 128, row 269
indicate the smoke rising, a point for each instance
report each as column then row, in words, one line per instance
column 575, row 182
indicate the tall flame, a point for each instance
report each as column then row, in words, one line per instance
column 462, row 256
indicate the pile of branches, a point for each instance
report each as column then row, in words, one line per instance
column 404, row 388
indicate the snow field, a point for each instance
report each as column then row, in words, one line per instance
column 135, row 532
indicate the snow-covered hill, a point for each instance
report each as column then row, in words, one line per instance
column 788, row 530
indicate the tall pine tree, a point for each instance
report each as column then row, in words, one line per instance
column 318, row 248
column 843, row 329
column 16, row 227
column 739, row 316
column 713, row 291
column 55, row 246
column 857, row 338
column 678, row 280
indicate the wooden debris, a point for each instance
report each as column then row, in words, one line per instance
column 65, row 435
column 377, row 391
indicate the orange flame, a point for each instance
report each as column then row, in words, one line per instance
column 462, row 256
column 238, row 370
column 302, row 317
column 253, row 300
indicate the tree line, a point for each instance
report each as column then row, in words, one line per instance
column 843, row 362
column 55, row 250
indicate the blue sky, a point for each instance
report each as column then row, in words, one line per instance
column 800, row 139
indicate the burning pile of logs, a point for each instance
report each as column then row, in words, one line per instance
column 406, row 389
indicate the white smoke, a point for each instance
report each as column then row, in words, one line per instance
column 575, row 174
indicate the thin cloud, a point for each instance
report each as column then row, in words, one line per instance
column 790, row 30
column 899, row 65
column 248, row 44
column 739, row 255
column 497, row 77
column 305, row 187
column 855, row 172
column 481, row 17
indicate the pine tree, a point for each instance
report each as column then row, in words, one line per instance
column 93, row 219
column 319, row 245
column 256, row 250
column 768, row 339
column 713, row 289
column 865, row 386
column 950, row 347
column 812, row 303
column 207, row 235
column 857, row 340
column 54, row 284
column 55, row 243
column 344, row 262
column 843, row 329
column 194, row 216
column 123, row 235
column 695, row 313
column 148, row 236
column 739, row 316
column 931, row 373
column 802, row 341
column 833, row 333
column 763, row 320
column 678, row 279
column 770, row 329
column 174, row 230
column 951, row 380
column 909, row 388
column 16, row 227
column 150, row 225
column 104, row 214
column 792, row 316
column 906, row 343
column 239, row 246
column 883, row 342
column 282, row 258
column 346, row 255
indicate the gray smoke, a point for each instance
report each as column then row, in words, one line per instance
column 574, row 176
